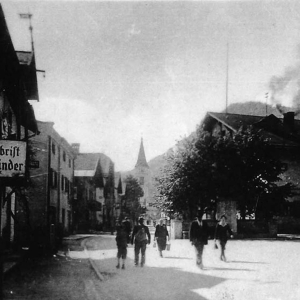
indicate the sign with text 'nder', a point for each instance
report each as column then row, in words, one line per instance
column 12, row 158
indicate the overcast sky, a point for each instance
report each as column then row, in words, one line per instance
column 119, row 71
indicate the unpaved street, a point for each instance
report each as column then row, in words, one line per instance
column 255, row 270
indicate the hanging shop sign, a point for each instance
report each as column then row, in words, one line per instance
column 12, row 158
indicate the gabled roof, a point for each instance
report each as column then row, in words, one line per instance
column 271, row 127
column 86, row 164
column 231, row 121
column 142, row 162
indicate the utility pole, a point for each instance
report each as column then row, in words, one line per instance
column 28, row 17
column 227, row 77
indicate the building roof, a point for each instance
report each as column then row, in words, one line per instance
column 141, row 161
column 47, row 129
column 86, row 164
column 271, row 127
column 232, row 121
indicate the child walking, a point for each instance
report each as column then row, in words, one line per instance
column 121, row 240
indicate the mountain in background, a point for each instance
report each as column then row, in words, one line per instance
column 246, row 108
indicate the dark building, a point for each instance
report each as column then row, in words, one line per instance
column 18, row 84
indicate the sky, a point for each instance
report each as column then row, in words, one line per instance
column 117, row 72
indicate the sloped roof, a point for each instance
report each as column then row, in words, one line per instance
column 233, row 121
column 271, row 127
column 86, row 164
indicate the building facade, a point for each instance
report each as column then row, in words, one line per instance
column 283, row 135
column 94, row 204
column 50, row 194
column 18, row 84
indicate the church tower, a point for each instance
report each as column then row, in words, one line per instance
column 142, row 173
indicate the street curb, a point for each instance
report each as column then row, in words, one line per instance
column 101, row 278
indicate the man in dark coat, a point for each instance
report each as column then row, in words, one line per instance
column 141, row 237
column 199, row 237
column 127, row 228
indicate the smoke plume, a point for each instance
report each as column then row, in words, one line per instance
column 286, row 89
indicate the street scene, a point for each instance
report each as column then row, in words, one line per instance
column 149, row 150
column 267, row 269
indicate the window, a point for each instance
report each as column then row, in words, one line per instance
column 53, row 148
column 67, row 185
column 62, row 182
column 53, row 178
column 70, row 163
column 64, row 156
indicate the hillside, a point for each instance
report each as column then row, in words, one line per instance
column 257, row 109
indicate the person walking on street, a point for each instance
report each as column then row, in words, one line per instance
column 128, row 228
column 221, row 233
column 199, row 237
column 140, row 237
column 161, row 236
column 121, row 240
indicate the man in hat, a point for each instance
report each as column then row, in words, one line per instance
column 141, row 237
column 199, row 237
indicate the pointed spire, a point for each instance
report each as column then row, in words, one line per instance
column 142, row 162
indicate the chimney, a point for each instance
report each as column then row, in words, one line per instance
column 75, row 147
column 288, row 120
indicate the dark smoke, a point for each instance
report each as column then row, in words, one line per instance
column 278, row 85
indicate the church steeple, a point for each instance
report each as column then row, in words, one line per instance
column 142, row 162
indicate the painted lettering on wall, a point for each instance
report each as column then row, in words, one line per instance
column 12, row 158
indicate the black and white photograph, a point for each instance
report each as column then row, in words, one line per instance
column 149, row 150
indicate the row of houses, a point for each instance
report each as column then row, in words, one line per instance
column 47, row 187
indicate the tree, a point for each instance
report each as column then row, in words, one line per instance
column 205, row 169
column 133, row 193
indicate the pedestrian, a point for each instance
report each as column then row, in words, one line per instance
column 121, row 239
column 161, row 236
column 221, row 233
column 140, row 237
column 128, row 228
column 199, row 237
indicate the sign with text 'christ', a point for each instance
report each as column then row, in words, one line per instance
column 12, row 158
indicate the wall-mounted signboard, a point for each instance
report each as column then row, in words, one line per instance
column 12, row 158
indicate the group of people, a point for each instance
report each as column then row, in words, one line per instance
column 140, row 237
column 199, row 236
